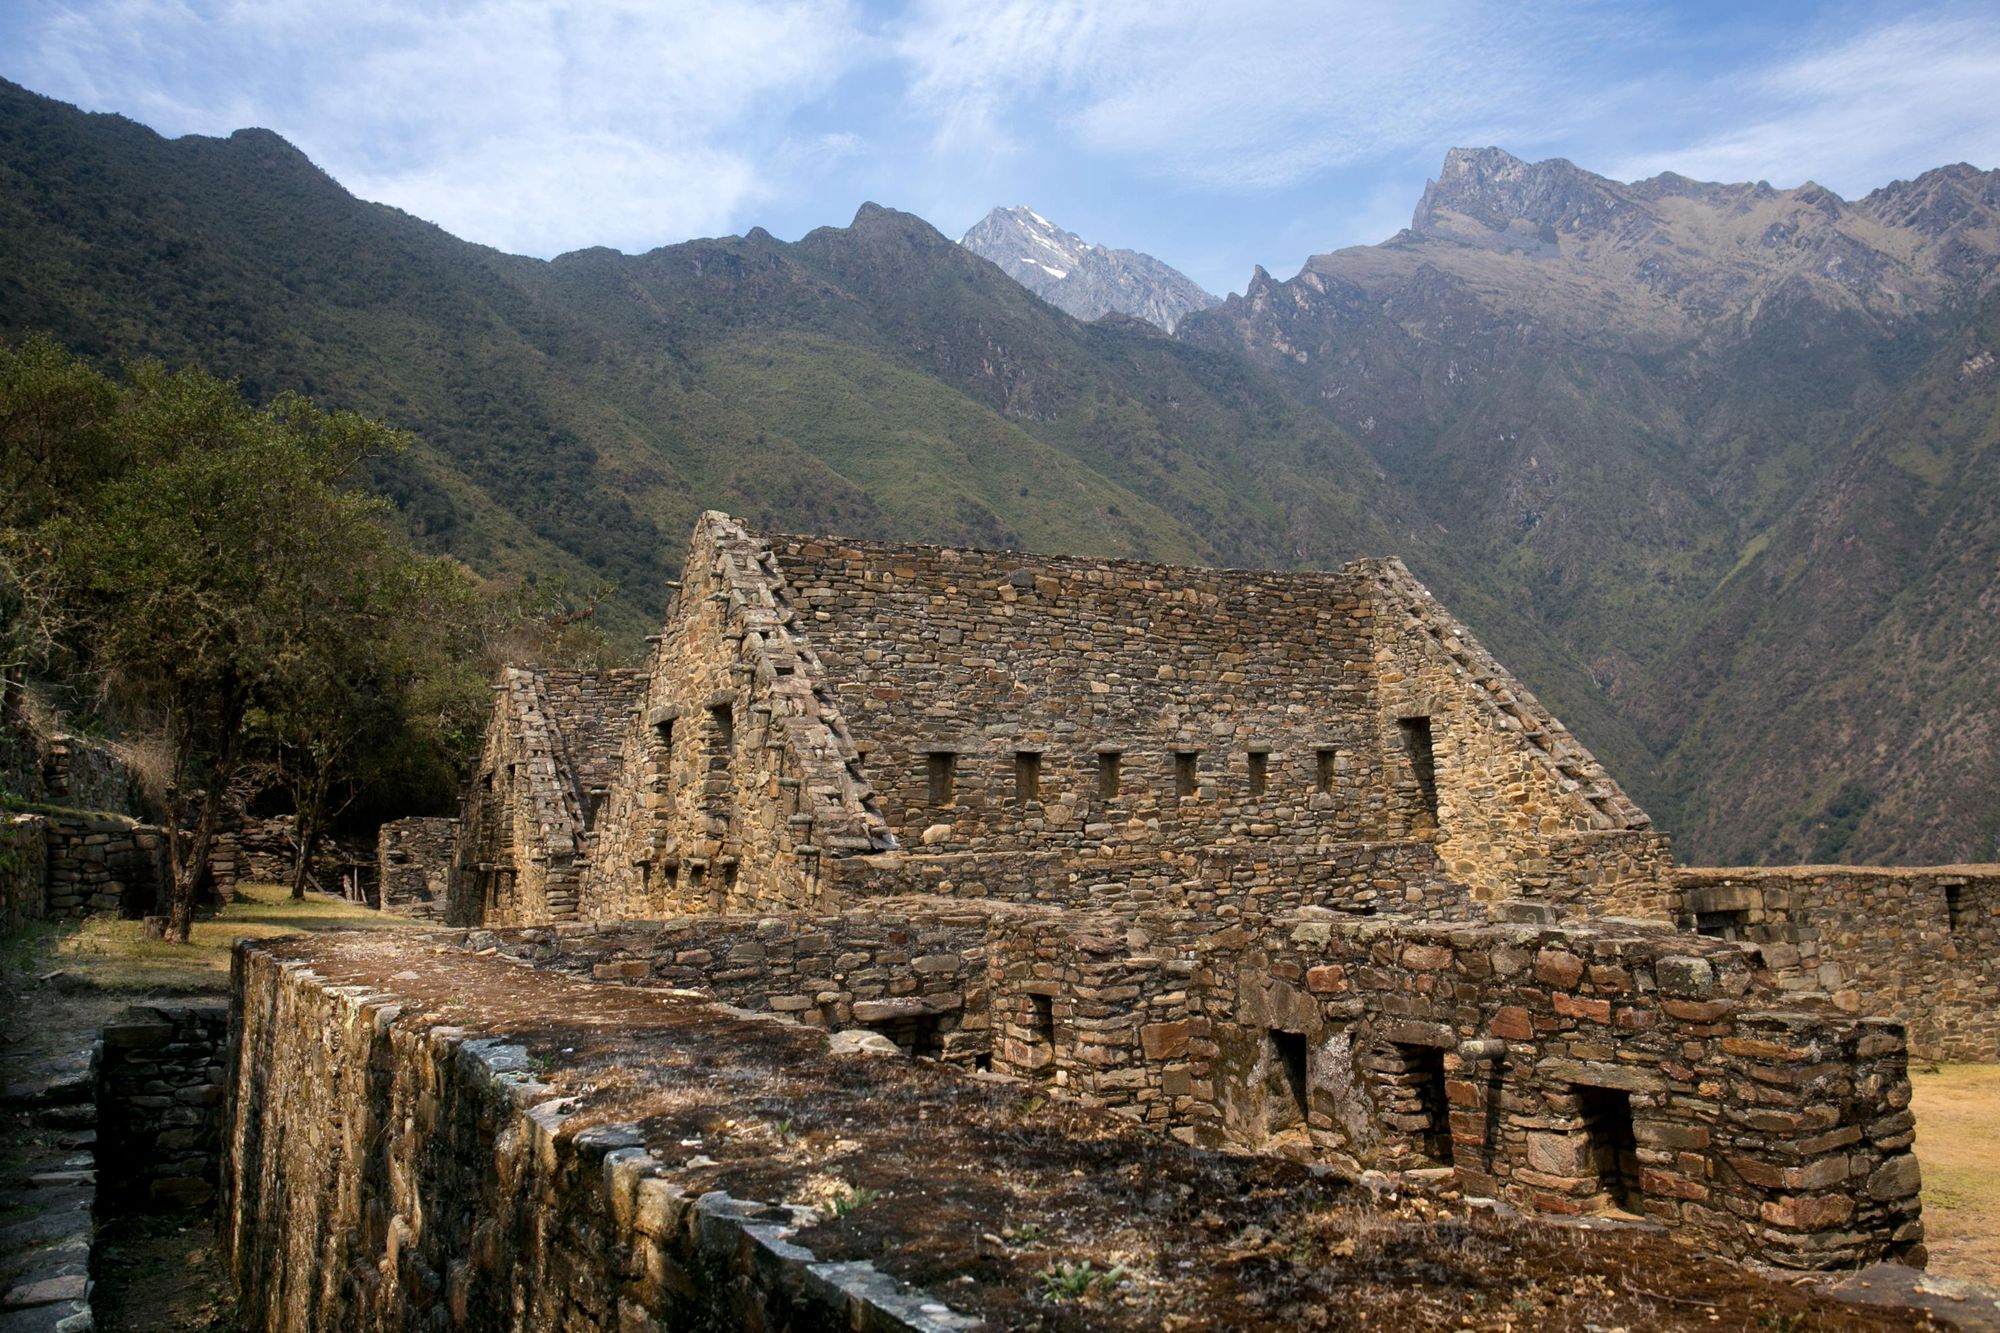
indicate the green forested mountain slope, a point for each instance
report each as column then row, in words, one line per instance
column 1601, row 420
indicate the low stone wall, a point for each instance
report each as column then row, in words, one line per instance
column 413, row 865
column 384, row 1170
column 104, row 864
column 24, row 871
column 1567, row 1069
column 1922, row 944
column 159, row 1103
column 920, row 978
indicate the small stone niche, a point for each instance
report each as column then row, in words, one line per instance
column 1611, row 1147
column 1290, row 1084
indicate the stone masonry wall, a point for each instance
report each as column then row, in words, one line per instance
column 159, row 1105
column 1188, row 677
column 739, row 781
column 385, row 1171
column 24, row 871
column 534, row 794
column 1402, row 878
column 918, row 975
column 104, row 864
column 1573, row 1066
column 1566, row 1069
column 1522, row 810
column 1919, row 944
column 413, row 864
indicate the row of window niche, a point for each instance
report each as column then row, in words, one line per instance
column 941, row 775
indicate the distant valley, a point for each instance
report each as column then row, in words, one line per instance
column 1710, row 466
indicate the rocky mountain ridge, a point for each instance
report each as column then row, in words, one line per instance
column 1089, row 281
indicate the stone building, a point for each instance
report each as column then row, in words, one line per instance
column 822, row 722
column 1283, row 862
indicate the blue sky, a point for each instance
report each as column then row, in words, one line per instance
column 1213, row 135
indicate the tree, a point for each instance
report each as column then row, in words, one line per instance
column 389, row 695
column 220, row 572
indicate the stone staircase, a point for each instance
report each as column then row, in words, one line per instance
column 48, row 1191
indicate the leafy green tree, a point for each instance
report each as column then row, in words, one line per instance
column 219, row 572
column 389, row 695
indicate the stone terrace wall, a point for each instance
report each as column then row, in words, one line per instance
column 159, row 1105
column 413, row 864
column 1921, row 944
column 989, row 655
column 739, row 781
column 382, row 1171
column 1523, row 810
column 104, row 864
column 922, row 968
column 24, row 871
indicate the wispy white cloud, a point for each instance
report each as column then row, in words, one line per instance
column 1852, row 113
column 529, row 126
column 1256, row 94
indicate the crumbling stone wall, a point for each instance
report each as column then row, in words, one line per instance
column 413, row 864
column 1521, row 809
column 919, row 977
column 1920, row 944
column 159, row 1105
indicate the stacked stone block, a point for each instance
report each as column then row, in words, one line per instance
column 24, row 871
column 159, row 1105
column 104, row 864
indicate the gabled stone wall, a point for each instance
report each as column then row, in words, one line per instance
column 738, row 781
column 1522, row 809
column 531, row 803
column 1182, row 674
column 1919, row 943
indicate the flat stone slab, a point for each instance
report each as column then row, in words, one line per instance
column 47, row 1291
column 1970, row 1306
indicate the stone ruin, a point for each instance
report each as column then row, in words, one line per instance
column 1280, row 863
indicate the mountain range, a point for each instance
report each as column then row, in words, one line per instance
column 1088, row 281
column 1708, row 465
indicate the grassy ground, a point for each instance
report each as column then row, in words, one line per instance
column 1958, row 1142
column 113, row 955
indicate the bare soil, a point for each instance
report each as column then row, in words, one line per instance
column 1043, row 1214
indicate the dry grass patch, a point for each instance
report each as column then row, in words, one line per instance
column 110, row 954
column 1958, row 1143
